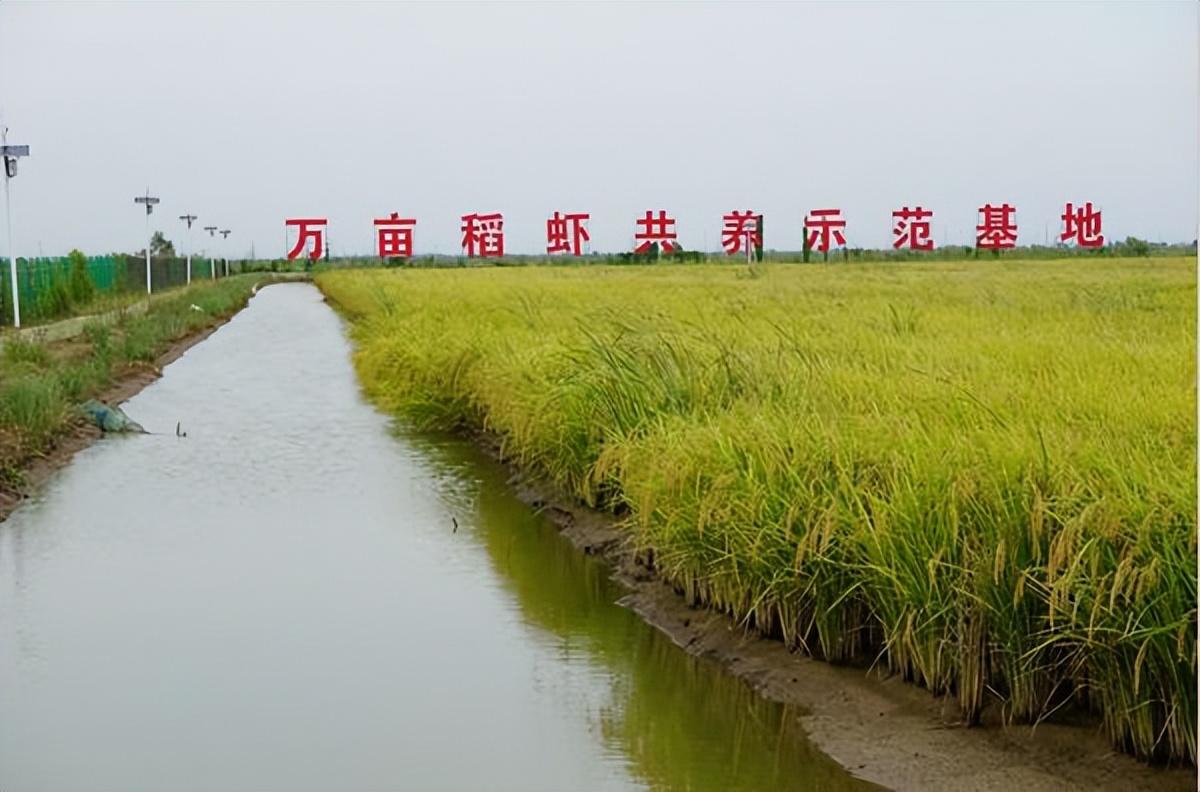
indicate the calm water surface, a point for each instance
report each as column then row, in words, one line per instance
column 278, row 602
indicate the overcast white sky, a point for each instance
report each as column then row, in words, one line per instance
column 248, row 113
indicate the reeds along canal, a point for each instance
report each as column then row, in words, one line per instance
column 280, row 600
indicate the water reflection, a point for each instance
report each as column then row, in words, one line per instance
column 680, row 722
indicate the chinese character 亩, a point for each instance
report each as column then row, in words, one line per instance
column 309, row 229
column 483, row 235
column 394, row 236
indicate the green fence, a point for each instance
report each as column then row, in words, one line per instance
column 48, row 291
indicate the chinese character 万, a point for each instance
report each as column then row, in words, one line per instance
column 659, row 230
column 1082, row 225
column 997, row 228
column 567, row 233
column 821, row 225
column 911, row 228
column 738, row 227
column 394, row 236
column 483, row 235
column 309, row 229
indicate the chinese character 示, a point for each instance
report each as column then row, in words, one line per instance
column 394, row 236
column 567, row 233
column 309, row 229
column 483, row 234
column 821, row 225
column 740, row 226
column 660, row 230
column 1082, row 225
column 997, row 228
column 911, row 228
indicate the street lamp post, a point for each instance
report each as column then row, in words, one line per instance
column 189, row 219
column 212, row 267
column 224, row 250
column 10, row 154
column 149, row 201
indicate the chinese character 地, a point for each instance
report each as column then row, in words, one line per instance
column 1082, row 225
column 483, row 235
column 394, row 236
column 309, row 228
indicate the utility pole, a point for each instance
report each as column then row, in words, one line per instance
column 149, row 201
column 225, row 250
column 10, row 154
column 189, row 219
column 212, row 267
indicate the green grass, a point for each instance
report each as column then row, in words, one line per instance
column 980, row 475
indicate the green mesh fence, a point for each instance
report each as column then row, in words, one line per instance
column 49, row 289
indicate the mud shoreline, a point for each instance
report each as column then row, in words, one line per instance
column 880, row 728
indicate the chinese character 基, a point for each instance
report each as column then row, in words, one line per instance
column 660, row 230
column 567, row 233
column 394, row 235
column 997, row 227
column 483, row 234
column 309, row 229
column 911, row 228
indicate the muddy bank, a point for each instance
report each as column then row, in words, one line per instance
column 79, row 434
column 882, row 729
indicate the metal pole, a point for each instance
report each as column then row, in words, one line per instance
column 12, row 256
column 148, row 237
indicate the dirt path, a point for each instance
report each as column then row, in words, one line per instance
column 883, row 730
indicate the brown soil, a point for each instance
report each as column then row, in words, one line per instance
column 881, row 729
column 34, row 470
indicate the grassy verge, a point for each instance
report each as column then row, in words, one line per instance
column 980, row 475
column 41, row 384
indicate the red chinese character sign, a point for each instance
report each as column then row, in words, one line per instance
column 655, row 230
column 1082, row 225
column 394, row 236
column 310, row 229
column 483, row 235
column 823, row 226
column 567, row 233
column 997, row 229
column 910, row 227
column 740, row 233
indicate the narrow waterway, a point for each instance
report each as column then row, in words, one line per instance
column 280, row 601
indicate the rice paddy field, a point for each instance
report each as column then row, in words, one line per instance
column 979, row 475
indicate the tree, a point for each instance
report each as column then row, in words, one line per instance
column 161, row 246
column 1137, row 247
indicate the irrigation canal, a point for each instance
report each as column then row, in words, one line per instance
column 280, row 601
